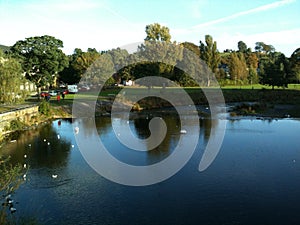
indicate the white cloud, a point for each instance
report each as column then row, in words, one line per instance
column 247, row 12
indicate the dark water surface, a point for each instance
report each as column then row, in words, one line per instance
column 255, row 178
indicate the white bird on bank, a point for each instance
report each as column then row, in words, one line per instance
column 25, row 165
column 58, row 136
column 183, row 131
column 76, row 130
column 25, row 156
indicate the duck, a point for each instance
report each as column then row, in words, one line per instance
column 12, row 209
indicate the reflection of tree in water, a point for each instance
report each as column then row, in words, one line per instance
column 172, row 121
column 41, row 147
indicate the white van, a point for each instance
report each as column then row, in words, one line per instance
column 72, row 88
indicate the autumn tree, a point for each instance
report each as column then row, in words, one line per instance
column 238, row 67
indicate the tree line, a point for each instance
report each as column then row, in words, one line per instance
column 41, row 60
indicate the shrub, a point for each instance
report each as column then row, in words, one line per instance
column 16, row 125
column 44, row 108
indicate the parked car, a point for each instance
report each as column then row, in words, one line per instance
column 65, row 91
column 53, row 93
column 44, row 94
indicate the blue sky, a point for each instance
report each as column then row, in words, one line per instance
column 106, row 24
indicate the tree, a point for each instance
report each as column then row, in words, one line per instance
column 264, row 48
column 100, row 71
column 295, row 65
column 210, row 54
column 41, row 58
column 242, row 47
column 156, row 32
column 275, row 70
column 83, row 61
column 11, row 79
column 238, row 67
column 119, row 57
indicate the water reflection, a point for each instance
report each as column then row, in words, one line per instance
column 255, row 175
column 41, row 147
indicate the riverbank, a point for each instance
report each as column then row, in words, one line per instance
column 279, row 103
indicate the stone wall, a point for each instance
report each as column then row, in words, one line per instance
column 24, row 115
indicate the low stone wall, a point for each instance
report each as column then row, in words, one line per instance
column 24, row 115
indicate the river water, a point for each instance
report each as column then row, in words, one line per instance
column 255, row 178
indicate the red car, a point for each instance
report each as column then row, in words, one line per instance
column 44, row 94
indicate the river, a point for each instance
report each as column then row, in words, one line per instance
column 254, row 179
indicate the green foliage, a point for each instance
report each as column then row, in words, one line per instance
column 42, row 58
column 295, row 66
column 238, row 67
column 44, row 108
column 11, row 79
column 9, row 176
column 16, row 125
column 275, row 70
column 264, row 48
column 242, row 47
column 156, row 32
column 210, row 54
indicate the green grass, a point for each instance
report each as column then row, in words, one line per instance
column 257, row 92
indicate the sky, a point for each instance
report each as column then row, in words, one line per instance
column 107, row 24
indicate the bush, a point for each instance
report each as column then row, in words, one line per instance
column 44, row 108
column 16, row 125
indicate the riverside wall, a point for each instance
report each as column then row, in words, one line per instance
column 24, row 115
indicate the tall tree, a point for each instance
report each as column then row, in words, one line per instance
column 42, row 58
column 156, row 32
column 275, row 70
column 83, row 61
column 210, row 54
column 70, row 75
column 11, row 78
column 238, row 67
column 242, row 47
column 295, row 65
column 101, row 71
column 264, row 48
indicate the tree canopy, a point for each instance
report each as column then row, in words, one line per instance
column 156, row 32
column 41, row 58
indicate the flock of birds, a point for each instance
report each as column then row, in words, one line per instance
column 8, row 201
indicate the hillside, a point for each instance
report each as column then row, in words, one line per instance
column 4, row 48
